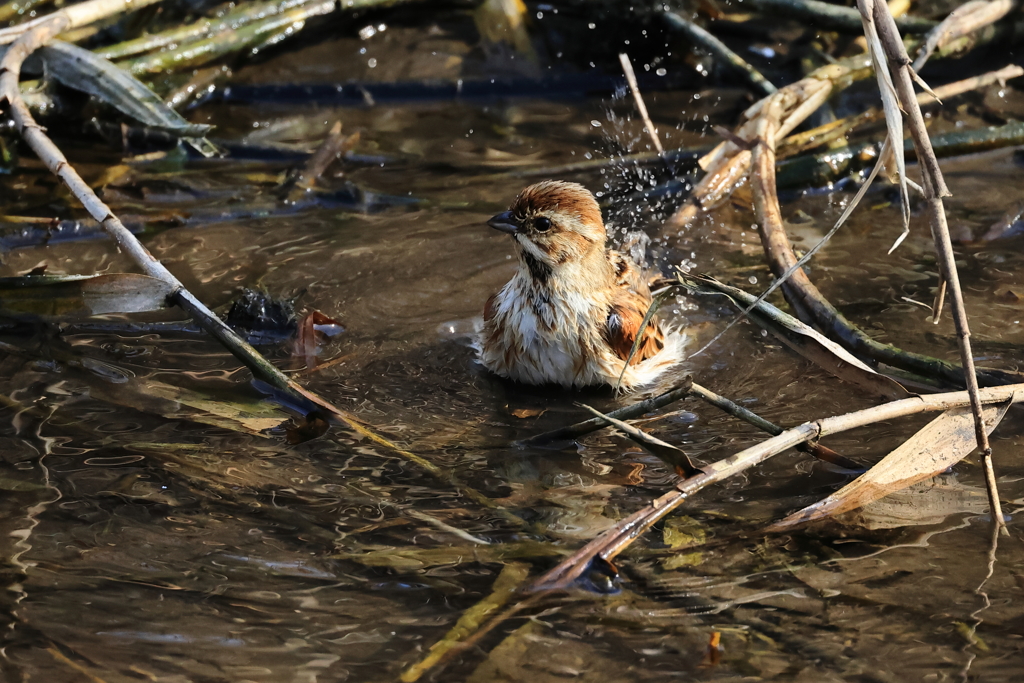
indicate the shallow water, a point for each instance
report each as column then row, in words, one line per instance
column 144, row 544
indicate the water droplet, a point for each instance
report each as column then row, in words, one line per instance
column 752, row 279
column 662, row 71
column 371, row 62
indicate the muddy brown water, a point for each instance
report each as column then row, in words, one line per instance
column 142, row 544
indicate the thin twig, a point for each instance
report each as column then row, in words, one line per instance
column 672, row 455
column 634, row 87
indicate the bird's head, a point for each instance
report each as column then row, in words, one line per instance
column 554, row 223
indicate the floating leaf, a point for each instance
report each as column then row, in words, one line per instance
column 942, row 443
column 67, row 296
column 82, row 70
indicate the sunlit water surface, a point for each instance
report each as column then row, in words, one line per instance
column 142, row 544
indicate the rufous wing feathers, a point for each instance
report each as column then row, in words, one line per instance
column 624, row 319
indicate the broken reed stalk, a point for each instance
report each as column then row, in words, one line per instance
column 10, row 70
column 728, row 164
column 613, row 541
column 834, row 130
column 634, row 87
column 76, row 16
column 962, row 21
column 934, row 190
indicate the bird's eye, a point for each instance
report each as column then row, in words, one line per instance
column 542, row 224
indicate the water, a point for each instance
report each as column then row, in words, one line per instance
column 143, row 543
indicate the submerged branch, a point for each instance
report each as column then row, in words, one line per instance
column 721, row 51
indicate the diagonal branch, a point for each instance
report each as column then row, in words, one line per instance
column 38, row 35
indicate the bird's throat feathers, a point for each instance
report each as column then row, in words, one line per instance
column 572, row 269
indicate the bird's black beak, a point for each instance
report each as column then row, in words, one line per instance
column 504, row 222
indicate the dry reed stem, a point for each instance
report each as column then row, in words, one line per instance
column 612, row 542
column 816, row 137
column 934, row 187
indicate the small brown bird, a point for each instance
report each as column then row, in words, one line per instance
column 572, row 311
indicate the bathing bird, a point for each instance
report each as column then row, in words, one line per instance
column 571, row 313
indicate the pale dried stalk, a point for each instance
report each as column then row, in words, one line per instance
column 76, row 16
column 934, row 190
column 615, row 540
column 634, row 87
column 949, row 90
column 727, row 165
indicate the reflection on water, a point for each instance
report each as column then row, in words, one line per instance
column 144, row 543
